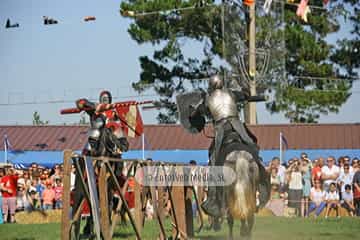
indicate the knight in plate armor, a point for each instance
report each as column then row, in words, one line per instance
column 105, row 137
column 221, row 105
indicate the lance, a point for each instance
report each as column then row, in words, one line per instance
column 105, row 107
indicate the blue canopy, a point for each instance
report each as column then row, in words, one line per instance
column 49, row 158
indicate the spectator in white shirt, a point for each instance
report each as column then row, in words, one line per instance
column 294, row 178
column 275, row 163
column 317, row 197
column 346, row 161
column 329, row 173
column 345, row 178
column 332, row 200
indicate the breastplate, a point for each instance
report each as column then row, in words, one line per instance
column 222, row 105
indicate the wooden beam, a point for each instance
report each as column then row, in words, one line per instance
column 189, row 212
column 138, row 213
column 65, row 217
column 161, row 209
column 94, row 197
column 178, row 205
column 78, row 211
column 104, row 204
column 117, row 185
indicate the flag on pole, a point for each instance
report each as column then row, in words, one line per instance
column 7, row 148
column 284, row 141
column 131, row 119
column 283, row 145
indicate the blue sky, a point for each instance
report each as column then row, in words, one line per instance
column 76, row 59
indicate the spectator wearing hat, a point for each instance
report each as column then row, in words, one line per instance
column 8, row 186
column 329, row 173
column 32, row 200
column 20, row 197
column 48, row 196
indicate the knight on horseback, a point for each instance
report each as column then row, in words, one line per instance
column 221, row 105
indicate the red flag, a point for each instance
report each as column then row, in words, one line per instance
column 131, row 119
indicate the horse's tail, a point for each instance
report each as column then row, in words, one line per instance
column 241, row 195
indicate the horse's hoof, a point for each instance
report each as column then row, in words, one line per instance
column 217, row 226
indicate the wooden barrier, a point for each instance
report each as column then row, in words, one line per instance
column 96, row 193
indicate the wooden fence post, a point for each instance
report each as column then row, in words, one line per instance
column 189, row 212
column 178, row 204
column 138, row 214
column 104, row 204
column 65, row 216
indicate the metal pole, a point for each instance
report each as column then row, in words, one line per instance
column 223, row 40
column 280, row 148
column 143, row 146
column 252, row 63
column 5, row 152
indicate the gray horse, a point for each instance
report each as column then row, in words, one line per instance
column 240, row 196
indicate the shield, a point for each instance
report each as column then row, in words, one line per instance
column 187, row 105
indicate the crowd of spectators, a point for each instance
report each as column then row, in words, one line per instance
column 34, row 188
column 301, row 185
column 304, row 186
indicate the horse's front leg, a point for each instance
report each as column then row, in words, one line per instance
column 246, row 227
column 250, row 224
column 230, row 221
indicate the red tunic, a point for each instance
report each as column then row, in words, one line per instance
column 9, row 182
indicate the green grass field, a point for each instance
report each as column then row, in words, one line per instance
column 268, row 228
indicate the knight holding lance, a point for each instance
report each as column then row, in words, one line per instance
column 221, row 105
column 106, row 136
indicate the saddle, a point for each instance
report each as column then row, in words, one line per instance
column 232, row 142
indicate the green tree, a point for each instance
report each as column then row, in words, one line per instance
column 169, row 72
column 37, row 119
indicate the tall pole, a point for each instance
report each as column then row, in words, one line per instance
column 280, row 143
column 252, row 64
column 143, row 145
column 5, row 152
column 6, row 148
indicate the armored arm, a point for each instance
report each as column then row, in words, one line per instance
column 85, row 104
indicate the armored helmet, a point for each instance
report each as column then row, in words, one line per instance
column 215, row 82
column 105, row 97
